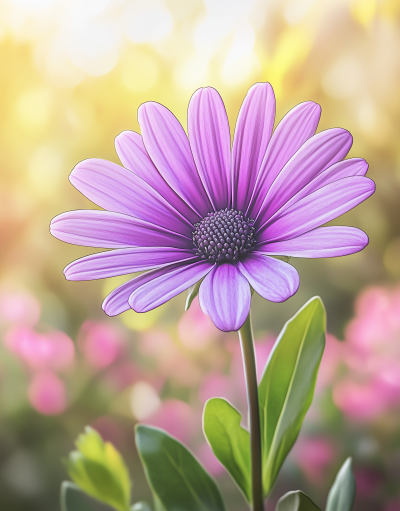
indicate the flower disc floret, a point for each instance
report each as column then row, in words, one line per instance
column 224, row 236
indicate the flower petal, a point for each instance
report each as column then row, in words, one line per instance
column 252, row 134
column 123, row 261
column 330, row 241
column 292, row 132
column 106, row 229
column 133, row 155
column 168, row 146
column 166, row 283
column 271, row 278
column 117, row 189
column 117, row 301
column 318, row 208
column 318, row 153
column 210, row 141
column 225, row 296
column 340, row 170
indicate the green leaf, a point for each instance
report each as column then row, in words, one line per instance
column 141, row 506
column 296, row 501
column 229, row 441
column 193, row 291
column 287, row 386
column 343, row 492
column 74, row 499
column 176, row 478
column 99, row 470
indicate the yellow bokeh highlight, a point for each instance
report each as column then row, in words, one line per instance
column 364, row 11
column 139, row 72
column 291, row 50
column 141, row 321
column 131, row 319
column 34, row 107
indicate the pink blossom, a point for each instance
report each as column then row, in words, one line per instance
column 171, row 361
column 177, row 418
column 314, row 456
column 371, row 352
column 216, row 385
column 330, row 362
column 53, row 350
column 18, row 307
column 47, row 393
column 100, row 342
column 196, row 330
column 360, row 401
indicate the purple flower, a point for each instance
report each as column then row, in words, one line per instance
column 182, row 210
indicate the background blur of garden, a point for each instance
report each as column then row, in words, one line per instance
column 72, row 75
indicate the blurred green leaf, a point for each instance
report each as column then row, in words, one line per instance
column 343, row 492
column 141, row 506
column 177, row 479
column 229, row 441
column 74, row 499
column 296, row 501
column 287, row 386
column 99, row 470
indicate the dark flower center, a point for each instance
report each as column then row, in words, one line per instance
column 224, row 236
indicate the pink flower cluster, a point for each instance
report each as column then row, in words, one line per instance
column 370, row 386
column 45, row 354
column 48, row 355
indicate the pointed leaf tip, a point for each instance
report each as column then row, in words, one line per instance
column 98, row 469
column 296, row 501
column 193, row 291
column 229, row 441
column 177, row 479
column 287, row 386
column 343, row 492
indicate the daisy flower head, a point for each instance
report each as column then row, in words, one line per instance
column 184, row 209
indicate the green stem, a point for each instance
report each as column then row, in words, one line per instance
column 250, row 372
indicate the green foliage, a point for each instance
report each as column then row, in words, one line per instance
column 229, row 441
column 176, row 478
column 98, row 469
column 193, row 291
column 342, row 494
column 74, row 499
column 296, row 501
column 141, row 506
column 287, row 386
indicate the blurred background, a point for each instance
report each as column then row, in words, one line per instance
column 72, row 76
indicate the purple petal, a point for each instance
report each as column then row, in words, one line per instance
column 274, row 280
column 318, row 208
column 106, row 229
column 330, row 241
column 133, row 155
column 165, row 284
column 342, row 169
column 318, row 153
column 117, row 301
column 123, row 261
column 117, row 189
column 210, row 141
column 252, row 135
column 225, row 296
column 168, row 147
column 292, row 132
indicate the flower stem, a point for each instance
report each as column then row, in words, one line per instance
column 249, row 363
